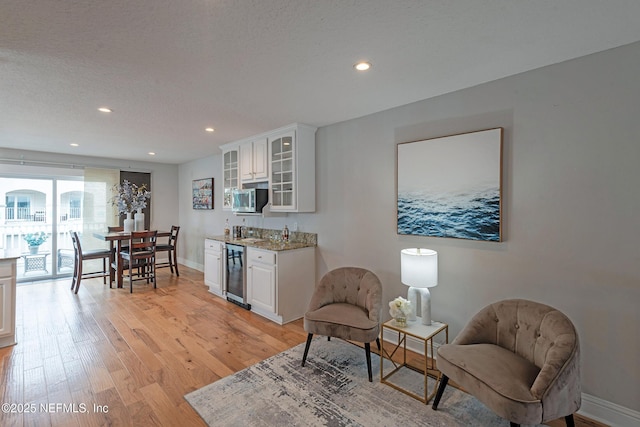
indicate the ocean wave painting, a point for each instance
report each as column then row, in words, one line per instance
column 471, row 215
column 451, row 186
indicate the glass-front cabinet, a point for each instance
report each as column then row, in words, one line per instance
column 292, row 162
column 231, row 175
column 283, row 194
column 289, row 170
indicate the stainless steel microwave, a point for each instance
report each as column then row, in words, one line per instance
column 249, row 200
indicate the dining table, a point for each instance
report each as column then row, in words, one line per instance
column 115, row 239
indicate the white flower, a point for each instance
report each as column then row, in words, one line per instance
column 399, row 307
column 129, row 197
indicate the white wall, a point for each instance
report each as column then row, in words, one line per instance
column 196, row 224
column 571, row 203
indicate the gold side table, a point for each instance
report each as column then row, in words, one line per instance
column 424, row 333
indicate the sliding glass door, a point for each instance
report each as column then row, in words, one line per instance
column 36, row 215
column 40, row 206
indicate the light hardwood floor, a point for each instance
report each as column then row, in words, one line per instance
column 133, row 355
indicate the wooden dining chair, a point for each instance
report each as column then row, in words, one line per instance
column 140, row 258
column 171, row 248
column 80, row 256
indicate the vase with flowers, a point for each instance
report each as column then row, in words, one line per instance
column 129, row 198
column 399, row 309
column 34, row 240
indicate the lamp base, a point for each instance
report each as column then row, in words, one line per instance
column 425, row 304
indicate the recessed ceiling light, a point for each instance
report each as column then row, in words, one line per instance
column 73, row 144
column 362, row 66
column 151, row 153
column 105, row 110
column 209, row 129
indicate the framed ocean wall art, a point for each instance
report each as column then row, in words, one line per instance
column 451, row 186
column 202, row 193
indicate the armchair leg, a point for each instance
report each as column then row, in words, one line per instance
column 378, row 344
column 306, row 348
column 569, row 420
column 443, row 384
column 514, row 424
column 367, row 350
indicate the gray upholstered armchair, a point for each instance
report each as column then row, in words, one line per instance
column 520, row 358
column 346, row 304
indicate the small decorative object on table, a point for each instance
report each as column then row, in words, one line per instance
column 129, row 198
column 399, row 309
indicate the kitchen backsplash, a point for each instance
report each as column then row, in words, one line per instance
column 294, row 236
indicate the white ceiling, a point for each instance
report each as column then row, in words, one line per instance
column 170, row 68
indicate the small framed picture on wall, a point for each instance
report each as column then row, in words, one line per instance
column 202, row 193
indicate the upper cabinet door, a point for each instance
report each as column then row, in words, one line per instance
column 260, row 159
column 230, row 176
column 253, row 161
column 246, row 161
column 283, row 185
column 292, row 157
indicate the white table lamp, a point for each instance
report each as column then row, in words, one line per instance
column 419, row 271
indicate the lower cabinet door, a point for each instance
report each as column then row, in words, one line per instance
column 213, row 271
column 6, row 306
column 262, row 286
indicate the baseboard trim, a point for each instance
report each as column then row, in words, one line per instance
column 592, row 407
column 608, row 412
column 191, row 264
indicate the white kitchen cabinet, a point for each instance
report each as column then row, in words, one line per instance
column 285, row 158
column 293, row 169
column 254, row 160
column 261, row 280
column 230, row 175
column 280, row 283
column 7, row 301
column 213, row 266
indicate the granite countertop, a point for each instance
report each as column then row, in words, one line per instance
column 267, row 244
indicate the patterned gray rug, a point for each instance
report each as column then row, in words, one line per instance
column 331, row 390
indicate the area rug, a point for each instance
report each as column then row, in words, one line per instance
column 331, row 390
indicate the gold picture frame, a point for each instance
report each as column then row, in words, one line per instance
column 451, row 186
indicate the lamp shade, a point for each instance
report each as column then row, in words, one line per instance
column 419, row 267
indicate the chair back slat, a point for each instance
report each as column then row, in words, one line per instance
column 143, row 241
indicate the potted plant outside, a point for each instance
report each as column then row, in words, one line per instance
column 34, row 240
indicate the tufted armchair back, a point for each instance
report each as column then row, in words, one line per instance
column 539, row 333
column 346, row 304
column 349, row 285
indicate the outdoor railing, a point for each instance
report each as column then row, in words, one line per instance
column 12, row 234
column 25, row 214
